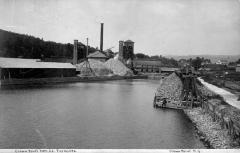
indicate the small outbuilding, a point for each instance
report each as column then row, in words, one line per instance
column 98, row 55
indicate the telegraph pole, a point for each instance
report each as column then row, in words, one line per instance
column 87, row 49
column 101, row 38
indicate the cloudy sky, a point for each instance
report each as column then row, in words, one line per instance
column 158, row 27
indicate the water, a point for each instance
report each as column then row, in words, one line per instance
column 114, row 115
column 230, row 98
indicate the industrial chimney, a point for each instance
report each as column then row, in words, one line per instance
column 75, row 52
column 101, row 38
column 120, row 52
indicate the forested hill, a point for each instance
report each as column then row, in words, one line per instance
column 25, row 46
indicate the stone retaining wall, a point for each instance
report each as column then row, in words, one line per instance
column 226, row 115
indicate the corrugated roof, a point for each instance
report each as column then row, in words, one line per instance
column 97, row 54
column 31, row 63
column 147, row 62
column 169, row 69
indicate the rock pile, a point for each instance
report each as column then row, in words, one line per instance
column 170, row 87
column 210, row 131
column 118, row 67
column 97, row 67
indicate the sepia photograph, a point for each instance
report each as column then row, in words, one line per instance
column 119, row 76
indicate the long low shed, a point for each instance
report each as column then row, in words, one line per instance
column 18, row 68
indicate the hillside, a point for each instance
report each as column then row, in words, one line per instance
column 21, row 45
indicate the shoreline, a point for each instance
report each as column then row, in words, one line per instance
column 210, row 132
column 56, row 80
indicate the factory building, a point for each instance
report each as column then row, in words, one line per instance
column 126, row 50
column 17, row 68
column 98, row 55
column 147, row 66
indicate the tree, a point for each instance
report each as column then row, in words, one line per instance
column 238, row 61
column 155, row 57
column 141, row 56
column 196, row 63
column 20, row 45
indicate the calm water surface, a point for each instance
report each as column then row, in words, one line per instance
column 115, row 114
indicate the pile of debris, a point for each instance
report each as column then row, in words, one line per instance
column 171, row 88
column 118, row 68
column 97, row 67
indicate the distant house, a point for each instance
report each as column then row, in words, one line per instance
column 183, row 62
column 205, row 62
column 214, row 67
column 98, row 55
column 222, row 62
column 238, row 68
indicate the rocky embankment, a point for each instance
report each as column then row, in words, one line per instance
column 170, row 87
column 210, row 131
column 211, row 119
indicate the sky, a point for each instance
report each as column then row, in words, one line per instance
column 158, row 27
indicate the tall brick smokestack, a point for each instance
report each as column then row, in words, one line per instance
column 75, row 55
column 120, row 52
column 101, row 38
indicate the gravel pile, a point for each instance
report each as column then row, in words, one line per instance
column 211, row 131
column 118, row 67
column 170, row 87
column 97, row 67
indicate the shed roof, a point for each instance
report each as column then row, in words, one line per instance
column 147, row 62
column 169, row 69
column 32, row 63
column 97, row 54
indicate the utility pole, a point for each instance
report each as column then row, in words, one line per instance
column 87, row 49
column 101, row 38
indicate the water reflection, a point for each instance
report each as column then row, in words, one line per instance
column 115, row 114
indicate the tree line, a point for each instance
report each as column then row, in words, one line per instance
column 21, row 45
column 26, row 46
column 165, row 61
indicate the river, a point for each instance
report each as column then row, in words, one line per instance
column 114, row 115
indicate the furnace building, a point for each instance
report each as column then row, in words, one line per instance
column 126, row 50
